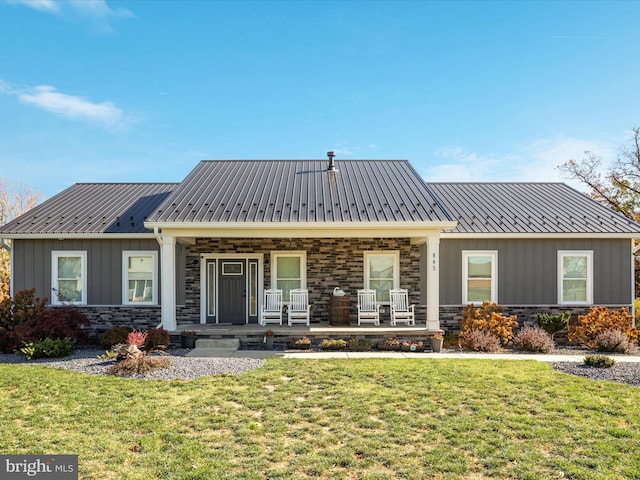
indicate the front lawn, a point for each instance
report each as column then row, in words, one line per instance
column 344, row 419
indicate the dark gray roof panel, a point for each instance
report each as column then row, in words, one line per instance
column 225, row 191
column 527, row 208
column 90, row 208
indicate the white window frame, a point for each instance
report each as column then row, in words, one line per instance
column 395, row 255
column 276, row 254
column 55, row 255
column 465, row 274
column 589, row 284
column 126, row 255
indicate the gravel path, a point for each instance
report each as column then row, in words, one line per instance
column 621, row 372
column 186, row 368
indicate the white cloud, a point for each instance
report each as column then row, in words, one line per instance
column 98, row 8
column 95, row 15
column 48, row 98
column 534, row 161
column 42, row 5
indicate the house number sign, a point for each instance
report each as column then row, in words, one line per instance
column 433, row 261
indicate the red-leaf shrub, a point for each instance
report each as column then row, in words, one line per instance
column 137, row 338
column 479, row 341
column 533, row 339
column 58, row 322
column 15, row 311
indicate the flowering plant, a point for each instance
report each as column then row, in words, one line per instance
column 438, row 335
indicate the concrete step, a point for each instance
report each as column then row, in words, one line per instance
column 212, row 352
column 225, row 343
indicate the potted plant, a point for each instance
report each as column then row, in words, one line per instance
column 188, row 339
column 333, row 344
column 389, row 343
column 360, row 344
column 268, row 340
column 436, row 341
column 303, row 343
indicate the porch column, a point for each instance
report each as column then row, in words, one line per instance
column 433, row 283
column 168, row 285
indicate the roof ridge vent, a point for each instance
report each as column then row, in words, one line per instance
column 332, row 166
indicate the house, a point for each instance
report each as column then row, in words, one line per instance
column 203, row 251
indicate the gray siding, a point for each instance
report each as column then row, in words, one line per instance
column 32, row 259
column 527, row 269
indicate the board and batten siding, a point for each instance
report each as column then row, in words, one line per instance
column 528, row 269
column 104, row 266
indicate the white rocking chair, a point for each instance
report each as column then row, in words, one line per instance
column 401, row 311
column 271, row 309
column 299, row 308
column 368, row 309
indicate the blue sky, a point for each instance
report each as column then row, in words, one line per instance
column 467, row 91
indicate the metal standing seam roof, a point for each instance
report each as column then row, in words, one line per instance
column 93, row 208
column 300, row 191
column 527, row 208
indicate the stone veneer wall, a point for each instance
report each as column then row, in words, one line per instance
column 330, row 263
column 451, row 315
column 105, row 317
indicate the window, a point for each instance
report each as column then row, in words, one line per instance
column 575, row 274
column 382, row 273
column 288, row 271
column 140, row 277
column 69, row 277
column 479, row 276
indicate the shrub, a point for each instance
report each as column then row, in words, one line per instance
column 489, row 318
column 13, row 312
column 114, row 336
column 599, row 361
column 533, row 339
column 58, row 322
column 598, row 320
column 614, row 341
column 157, row 338
column 49, row 348
column 479, row 341
column 553, row 323
column 138, row 365
column 636, row 308
column 451, row 341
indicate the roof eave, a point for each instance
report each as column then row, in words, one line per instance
column 519, row 235
column 67, row 235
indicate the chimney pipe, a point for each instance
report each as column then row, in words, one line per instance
column 332, row 166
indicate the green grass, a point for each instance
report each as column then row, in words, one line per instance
column 344, row 419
